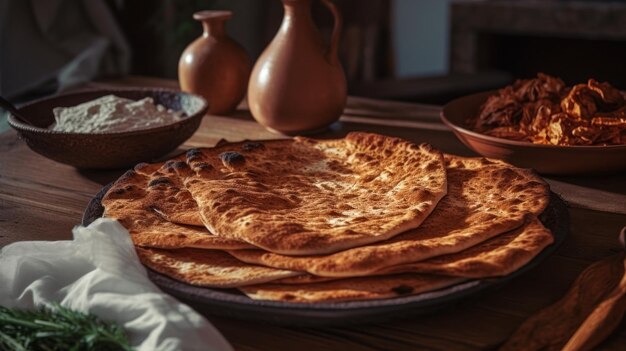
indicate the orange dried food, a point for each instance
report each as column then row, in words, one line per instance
column 506, row 107
column 544, row 110
column 580, row 102
column 610, row 98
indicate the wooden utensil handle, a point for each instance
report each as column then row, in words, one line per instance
column 4, row 103
column 602, row 321
column 588, row 312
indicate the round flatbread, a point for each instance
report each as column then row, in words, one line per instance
column 131, row 199
column 350, row 289
column 304, row 279
column 165, row 192
column 497, row 256
column 208, row 268
column 485, row 198
column 303, row 196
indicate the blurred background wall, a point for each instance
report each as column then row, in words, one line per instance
column 420, row 37
column 416, row 30
column 382, row 39
column 413, row 50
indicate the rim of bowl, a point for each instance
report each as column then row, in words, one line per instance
column 17, row 124
column 497, row 140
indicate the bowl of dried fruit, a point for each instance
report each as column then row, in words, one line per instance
column 542, row 123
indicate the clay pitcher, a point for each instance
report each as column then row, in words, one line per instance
column 298, row 83
column 214, row 66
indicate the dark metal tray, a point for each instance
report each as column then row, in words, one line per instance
column 232, row 303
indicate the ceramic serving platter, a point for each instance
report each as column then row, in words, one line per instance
column 545, row 159
column 231, row 303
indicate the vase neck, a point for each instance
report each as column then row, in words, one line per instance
column 297, row 7
column 213, row 28
column 213, row 22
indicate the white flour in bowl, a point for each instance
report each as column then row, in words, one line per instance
column 113, row 114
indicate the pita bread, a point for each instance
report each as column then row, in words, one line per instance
column 362, row 288
column 129, row 201
column 485, row 198
column 208, row 268
column 498, row 256
column 303, row 196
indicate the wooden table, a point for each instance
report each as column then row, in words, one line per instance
column 42, row 200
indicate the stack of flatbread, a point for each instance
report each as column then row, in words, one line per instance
column 304, row 220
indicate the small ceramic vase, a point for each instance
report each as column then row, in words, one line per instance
column 214, row 66
column 298, row 85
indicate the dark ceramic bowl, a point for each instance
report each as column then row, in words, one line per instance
column 545, row 159
column 111, row 149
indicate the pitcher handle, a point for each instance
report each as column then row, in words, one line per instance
column 332, row 55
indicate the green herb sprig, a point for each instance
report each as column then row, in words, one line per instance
column 58, row 328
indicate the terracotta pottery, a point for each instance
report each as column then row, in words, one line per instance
column 545, row 159
column 214, row 66
column 298, row 83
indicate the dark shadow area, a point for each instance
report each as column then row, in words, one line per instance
column 574, row 60
column 100, row 176
column 613, row 183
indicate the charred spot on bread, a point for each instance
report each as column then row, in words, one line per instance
column 159, row 181
column 402, row 289
column 231, row 158
column 289, row 297
column 178, row 165
column 170, row 166
column 193, row 154
column 204, row 166
column 251, row 145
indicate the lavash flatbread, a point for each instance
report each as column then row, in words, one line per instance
column 361, row 288
column 303, row 196
column 497, row 256
column 164, row 191
column 208, row 268
column 166, row 194
column 485, row 198
column 131, row 199
column 304, row 279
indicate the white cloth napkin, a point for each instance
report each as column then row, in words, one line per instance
column 98, row 272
